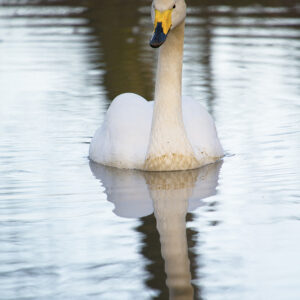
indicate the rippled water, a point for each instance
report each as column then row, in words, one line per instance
column 70, row 229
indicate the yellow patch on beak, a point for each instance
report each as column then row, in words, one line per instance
column 165, row 18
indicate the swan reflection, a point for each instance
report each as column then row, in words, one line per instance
column 169, row 195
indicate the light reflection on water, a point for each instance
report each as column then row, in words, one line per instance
column 61, row 63
column 170, row 196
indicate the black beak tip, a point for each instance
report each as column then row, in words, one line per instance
column 157, row 40
column 158, row 37
column 155, row 44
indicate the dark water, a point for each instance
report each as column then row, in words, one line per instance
column 74, row 230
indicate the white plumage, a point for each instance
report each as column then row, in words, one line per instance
column 122, row 140
column 170, row 133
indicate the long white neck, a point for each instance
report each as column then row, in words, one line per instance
column 169, row 147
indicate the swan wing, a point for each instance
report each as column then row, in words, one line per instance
column 123, row 138
column 201, row 130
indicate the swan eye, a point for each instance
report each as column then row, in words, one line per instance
column 174, row 6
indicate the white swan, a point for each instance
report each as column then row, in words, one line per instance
column 174, row 133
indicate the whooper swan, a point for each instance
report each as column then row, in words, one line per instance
column 170, row 133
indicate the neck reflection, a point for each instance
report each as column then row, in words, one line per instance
column 170, row 196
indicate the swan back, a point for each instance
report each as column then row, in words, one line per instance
column 123, row 139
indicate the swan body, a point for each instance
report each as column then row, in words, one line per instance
column 170, row 133
column 122, row 140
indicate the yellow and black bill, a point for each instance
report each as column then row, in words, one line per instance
column 162, row 26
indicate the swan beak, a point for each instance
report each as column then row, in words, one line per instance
column 162, row 26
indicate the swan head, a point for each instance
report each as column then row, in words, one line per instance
column 166, row 15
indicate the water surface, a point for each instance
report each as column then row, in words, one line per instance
column 70, row 229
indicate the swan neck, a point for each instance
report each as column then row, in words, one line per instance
column 169, row 69
column 169, row 148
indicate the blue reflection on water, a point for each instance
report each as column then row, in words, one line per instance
column 60, row 66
